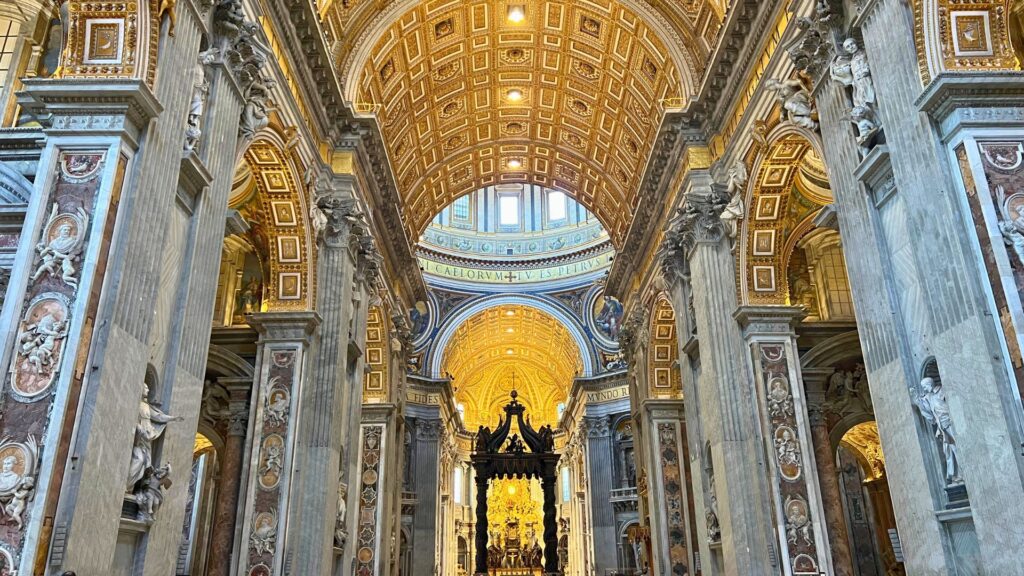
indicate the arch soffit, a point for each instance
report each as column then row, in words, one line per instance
column 664, row 379
column 763, row 253
column 583, row 126
column 226, row 363
column 458, row 317
column 281, row 203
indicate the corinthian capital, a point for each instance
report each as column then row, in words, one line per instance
column 334, row 216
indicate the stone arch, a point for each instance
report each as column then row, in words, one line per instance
column 787, row 188
column 376, row 383
column 15, row 189
column 458, row 317
column 941, row 36
column 664, row 379
column 271, row 197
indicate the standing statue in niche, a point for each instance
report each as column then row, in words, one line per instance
column 151, row 425
column 851, row 69
column 797, row 103
column 200, row 91
column 931, row 402
column 1011, row 224
column 340, row 533
column 711, row 519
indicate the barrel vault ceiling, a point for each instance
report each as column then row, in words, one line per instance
column 593, row 80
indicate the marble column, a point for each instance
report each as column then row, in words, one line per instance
column 313, row 514
column 231, row 458
column 599, row 471
column 828, row 476
column 667, row 486
column 283, row 366
column 728, row 411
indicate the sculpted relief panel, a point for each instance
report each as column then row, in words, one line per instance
column 47, row 325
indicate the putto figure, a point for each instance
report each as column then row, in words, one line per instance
column 61, row 245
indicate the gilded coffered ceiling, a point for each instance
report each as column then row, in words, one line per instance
column 491, row 346
column 569, row 97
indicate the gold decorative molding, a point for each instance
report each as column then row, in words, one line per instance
column 490, row 346
column 573, row 93
column 964, row 36
column 663, row 376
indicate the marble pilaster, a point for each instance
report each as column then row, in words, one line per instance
column 323, row 407
column 427, row 452
column 80, row 182
column 728, row 418
column 667, row 486
column 599, row 470
column 283, row 366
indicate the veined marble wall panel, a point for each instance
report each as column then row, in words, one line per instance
column 63, row 233
column 271, row 460
column 674, row 492
column 993, row 177
column 368, row 545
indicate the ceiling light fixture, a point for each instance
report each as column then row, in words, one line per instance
column 514, row 95
column 515, row 163
column 516, row 13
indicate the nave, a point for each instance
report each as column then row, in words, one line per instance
column 511, row 287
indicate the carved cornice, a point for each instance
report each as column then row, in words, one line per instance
column 749, row 21
column 654, row 192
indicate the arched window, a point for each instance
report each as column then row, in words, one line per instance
column 457, row 485
column 8, row 40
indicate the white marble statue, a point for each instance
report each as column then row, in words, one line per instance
column 1011, row 225
column 15, row 509
column 931, row 402
column 263, row 539
column 151, row 425
column 317, row 216
column 851, row 69
column 38, row 342
column 780, row 403
column 788, row 452
column 149, row 494
column 256, row 110
column 735, row 189
column 18, row 462
column 340, row 533
column 200, row 91
column 797, row 103
column 711, row 518
column 63, row 239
